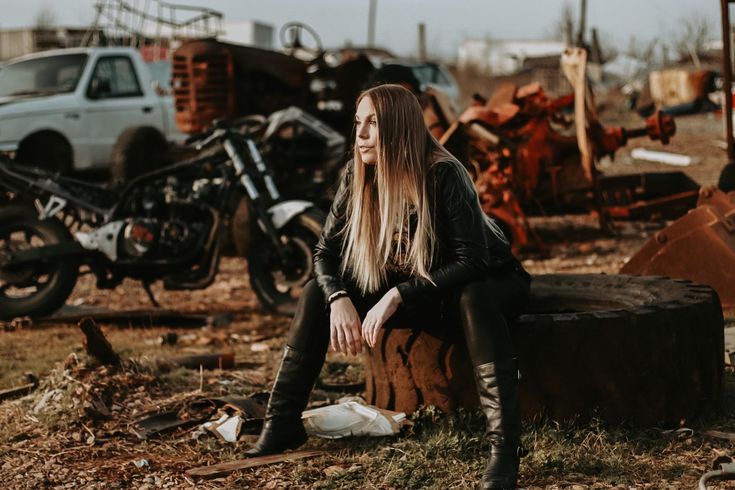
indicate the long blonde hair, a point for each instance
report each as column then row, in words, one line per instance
column 383, row 194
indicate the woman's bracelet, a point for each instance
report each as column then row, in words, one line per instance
column 336, row 295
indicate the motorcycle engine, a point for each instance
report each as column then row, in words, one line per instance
column 139, row 236
column 170, row 236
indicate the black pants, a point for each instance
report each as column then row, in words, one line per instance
column 481, row 308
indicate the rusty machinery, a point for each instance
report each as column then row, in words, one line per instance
column 532, row 155
column 701, row 245
column 216, row 80
column 308, row 104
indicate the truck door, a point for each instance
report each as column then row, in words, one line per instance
column 116, row 101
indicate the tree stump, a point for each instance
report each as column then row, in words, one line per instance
column 645, row 349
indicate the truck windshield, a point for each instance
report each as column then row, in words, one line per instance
column 42, row 76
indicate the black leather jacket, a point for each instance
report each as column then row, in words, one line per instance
column 467, row 248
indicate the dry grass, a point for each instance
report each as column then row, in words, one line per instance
column 63, row 444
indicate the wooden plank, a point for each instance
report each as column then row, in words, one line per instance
column 132, row 318
column 728, row 436
column 222, row 469
column 21, row 390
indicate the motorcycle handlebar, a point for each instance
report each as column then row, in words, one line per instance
column 244, row 125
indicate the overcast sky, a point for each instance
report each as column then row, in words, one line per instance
column 447, row 21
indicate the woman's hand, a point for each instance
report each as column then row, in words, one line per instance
column 344, row 323
column 379, row 314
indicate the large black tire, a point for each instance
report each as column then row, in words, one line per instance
column 279, row 291
column 39, row 289
column 647, row 349
column 47, row 150
column 644, row 349
column 138, row 150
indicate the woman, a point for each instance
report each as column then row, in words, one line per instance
column 405, row 240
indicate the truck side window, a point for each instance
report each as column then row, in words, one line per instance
column 114, row 76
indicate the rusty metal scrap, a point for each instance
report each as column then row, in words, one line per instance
column 699, row 246
column 203, row 85
column 526, row 159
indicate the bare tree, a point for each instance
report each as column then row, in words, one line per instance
column 45, row 17
column 689, row 39
column 562, row 29
column 604, row 45
column 642, row 50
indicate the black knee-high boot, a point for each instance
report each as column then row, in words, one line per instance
column 282, row 428
column 484, row 306
column 497, row 385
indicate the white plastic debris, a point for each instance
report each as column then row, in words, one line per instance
column 259, row 347
column 662, row 157
column 141, row 463
column 352, row 418
column 45, row 399
column 227, row 427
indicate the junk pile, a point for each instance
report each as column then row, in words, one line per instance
column 532, row 155
column 108, row 397
column 529, row 154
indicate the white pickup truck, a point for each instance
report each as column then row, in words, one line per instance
column 66, row 109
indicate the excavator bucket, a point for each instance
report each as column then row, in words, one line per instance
column 699, row 246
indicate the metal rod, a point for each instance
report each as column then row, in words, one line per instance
column 727, row 73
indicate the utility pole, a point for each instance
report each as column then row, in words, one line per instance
column 371, row 23
column 422, row 41
column 727, row 176
column 582, row 23
column 596, row 48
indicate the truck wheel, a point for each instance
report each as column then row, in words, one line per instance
column 138, row 150
column 46, row 150
column 35, row 289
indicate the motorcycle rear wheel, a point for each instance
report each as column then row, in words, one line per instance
column 37, row 289
column 279, row 290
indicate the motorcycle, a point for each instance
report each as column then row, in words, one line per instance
column 167, row 224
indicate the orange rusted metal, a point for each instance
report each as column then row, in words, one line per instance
column 699, row 246
column 525, row 161
column 203, row 85
column 216, row 80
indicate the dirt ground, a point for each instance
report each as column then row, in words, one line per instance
column 56, row 438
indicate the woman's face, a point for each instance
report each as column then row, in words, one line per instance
column 366, row 131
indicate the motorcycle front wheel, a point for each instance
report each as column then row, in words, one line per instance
column 35, row 289
column 278, row 286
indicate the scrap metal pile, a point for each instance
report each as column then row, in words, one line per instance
column 529, row 154
column 532, row 155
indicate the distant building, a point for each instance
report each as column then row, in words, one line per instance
column 249, row 33
column 18, row 42
column 519, row 62
column 503, row 57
